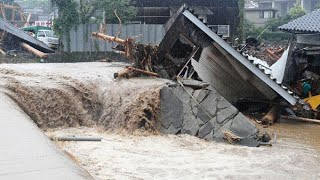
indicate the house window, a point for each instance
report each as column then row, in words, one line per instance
column 41, row 34
column 221, row 29
column 261, row 14
column 266, row 14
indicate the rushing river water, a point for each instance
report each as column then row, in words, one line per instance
column 187, row 157
column 307, row 134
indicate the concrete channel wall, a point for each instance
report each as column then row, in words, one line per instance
column 26, row 153
column 81, row 40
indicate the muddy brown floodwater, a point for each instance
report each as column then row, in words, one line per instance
column 123, row 156
column 299, row 132
column 42, row 89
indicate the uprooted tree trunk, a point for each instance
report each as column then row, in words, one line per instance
column 143, row 56
column 33, row 50
column 272, row 116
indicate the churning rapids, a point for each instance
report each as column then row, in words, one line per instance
column 84, row 99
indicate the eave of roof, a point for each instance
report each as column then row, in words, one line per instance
column 307, row 24
column 260, row 9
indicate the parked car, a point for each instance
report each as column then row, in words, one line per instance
column 44, row 34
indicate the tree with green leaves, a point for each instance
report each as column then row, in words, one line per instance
column 294, row 13
column 273, row 24
column 297, row 10
column 240, row 29
column 125, row 10
column 42, row 4
column 72, row 12
column 68, row 17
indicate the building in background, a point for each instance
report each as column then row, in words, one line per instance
column 260, row 11
column 284, row 6
column 307, row 30
column 258, row 15
column 11, row 12
column 221, row 16
column 36, row 15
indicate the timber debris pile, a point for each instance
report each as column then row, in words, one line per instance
column 269, row 53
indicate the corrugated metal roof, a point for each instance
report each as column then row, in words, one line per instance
column 309, row 23
column 256, row 69
column 10, row 28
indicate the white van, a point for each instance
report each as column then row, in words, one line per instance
column 48, row 37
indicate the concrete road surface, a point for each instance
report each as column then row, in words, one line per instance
column 26, row 153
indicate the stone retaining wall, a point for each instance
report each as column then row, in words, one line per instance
column 180, row 113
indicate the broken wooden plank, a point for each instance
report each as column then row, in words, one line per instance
column 33, row 50
column 301, row 119
column 195, row 84
column 272, row 54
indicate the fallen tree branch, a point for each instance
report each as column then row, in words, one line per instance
column 108, row 38
column 129, row 71
column 143, row 71
column 120, row 23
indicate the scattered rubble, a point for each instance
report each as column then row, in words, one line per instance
column 17, row 44
column 268, row 54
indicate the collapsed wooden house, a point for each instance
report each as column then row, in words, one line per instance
column 194, row 49
column 13, row 38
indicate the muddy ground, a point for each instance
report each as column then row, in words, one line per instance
column 84, row 99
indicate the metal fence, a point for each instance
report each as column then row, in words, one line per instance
column 81, row 41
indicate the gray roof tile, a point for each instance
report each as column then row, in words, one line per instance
column 309, row 23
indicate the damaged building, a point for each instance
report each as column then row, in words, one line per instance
column 212, row 75
column 302, row 63
column 14, row 40
column 216, row 61
column 117, row 128
column 191, row 50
